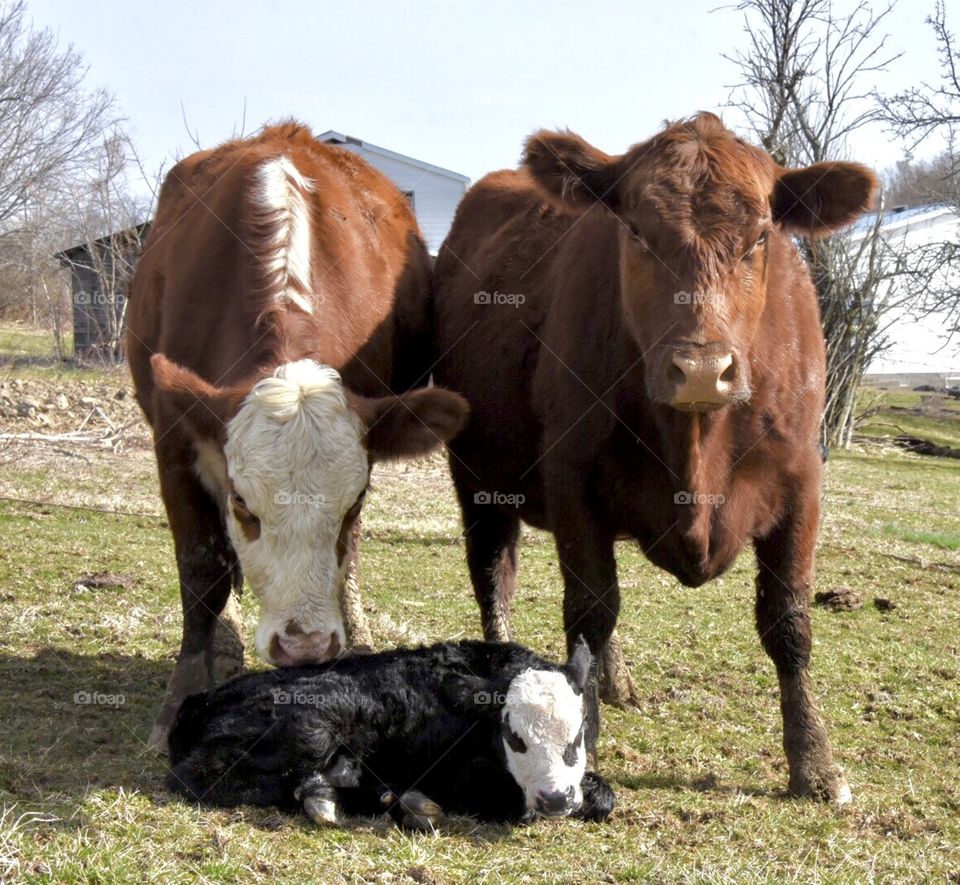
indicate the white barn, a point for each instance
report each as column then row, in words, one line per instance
column 921, row 352
column 433, row 191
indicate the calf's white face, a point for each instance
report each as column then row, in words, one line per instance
column 297, row 471
column 542, row 731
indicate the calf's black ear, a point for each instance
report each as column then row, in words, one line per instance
column 578, row 667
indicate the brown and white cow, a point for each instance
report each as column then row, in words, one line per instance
column 640, row 344
column 279, row 302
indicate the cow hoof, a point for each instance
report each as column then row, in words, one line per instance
column 321, row 811
column 831, row 787
column 420, row 813
column 157, row 742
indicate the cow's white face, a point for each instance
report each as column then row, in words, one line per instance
column 289, row 458
column 297, row 470
column 542, row 723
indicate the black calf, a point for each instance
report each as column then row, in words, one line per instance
column 489, row 730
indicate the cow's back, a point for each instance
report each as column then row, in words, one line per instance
column 209, row 289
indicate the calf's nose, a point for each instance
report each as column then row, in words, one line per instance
column 554, row 802
column 703, row 376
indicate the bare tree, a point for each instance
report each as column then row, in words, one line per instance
column 109, row 222
column 922, row 182
column 51, row 126
column 915, row 115
column 921, row 111
column 804, row 90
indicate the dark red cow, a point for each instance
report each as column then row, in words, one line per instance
column 640, row 344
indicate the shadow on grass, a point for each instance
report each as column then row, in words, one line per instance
column 709, row 784
column 75, row 721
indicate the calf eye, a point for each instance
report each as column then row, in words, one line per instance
column 238, row 500
column 514, row 741
column 571, row 753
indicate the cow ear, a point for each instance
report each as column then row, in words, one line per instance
column 572, row 172
column 821, row 198
column 413, row 424
column 205, row 409
column 578, row 667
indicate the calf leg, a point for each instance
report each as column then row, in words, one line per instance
column 413, row 810
column 785, row 563
column 211, row 648
column 491, row 538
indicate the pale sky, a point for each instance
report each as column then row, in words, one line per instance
column 457, row 84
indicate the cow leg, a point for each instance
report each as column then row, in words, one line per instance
column 211, row 648
column 613, row 675
column 785, row 569
column 359, row 637
column 491, row 539
column 591, row 599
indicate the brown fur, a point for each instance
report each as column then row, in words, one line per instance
column 570, row 392
column 204, row 324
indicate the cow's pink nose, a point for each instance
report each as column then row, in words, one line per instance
column 704, row 377
column 303, row 648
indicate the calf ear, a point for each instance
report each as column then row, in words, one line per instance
column 823, row 197
column 205, row 409
column 578, row 667
column 413, row 424
column 571, row 171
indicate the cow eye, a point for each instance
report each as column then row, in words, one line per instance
column 514, row 741
column 635, row 235
column 238, row 500
column 757, row 244
column 572, row 751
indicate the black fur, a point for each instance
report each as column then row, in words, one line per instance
column 426, row 719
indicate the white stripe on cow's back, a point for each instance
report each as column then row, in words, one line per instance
column 281, row 195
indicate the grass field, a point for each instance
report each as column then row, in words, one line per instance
column 698, row 767
column 18, row 341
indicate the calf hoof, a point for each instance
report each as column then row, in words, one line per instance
column 319, row 801
column 414, row 811
column 826, row 786
column 321, row 811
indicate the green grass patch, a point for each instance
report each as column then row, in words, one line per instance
column 942, row 540
column 698, row 766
